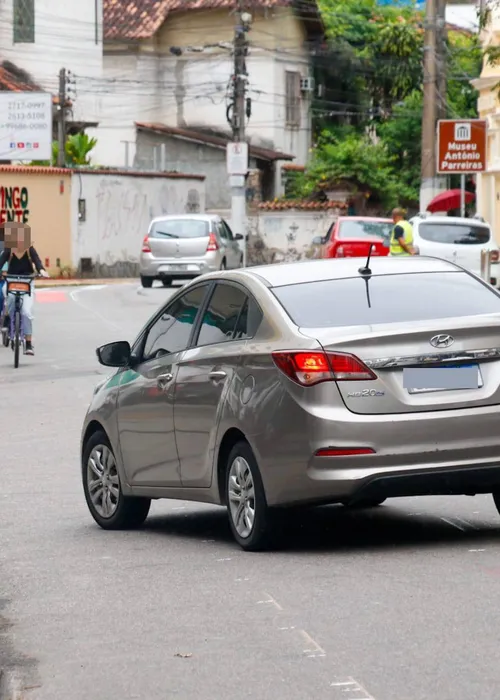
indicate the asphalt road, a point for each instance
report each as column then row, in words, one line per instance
column 396, row 603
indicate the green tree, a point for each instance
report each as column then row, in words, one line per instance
column 355, row 158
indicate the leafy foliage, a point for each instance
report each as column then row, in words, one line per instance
column 77, row 151
column 371, row 107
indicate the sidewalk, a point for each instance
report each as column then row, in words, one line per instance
column 40, row 283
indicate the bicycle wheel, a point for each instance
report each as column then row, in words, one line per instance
column 17, row 338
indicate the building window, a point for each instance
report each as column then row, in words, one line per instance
column 24, row 21
column 292, row 88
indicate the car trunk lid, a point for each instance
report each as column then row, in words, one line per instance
column 179, row 238
column 401, row 356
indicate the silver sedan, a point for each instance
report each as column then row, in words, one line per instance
column 304, row 383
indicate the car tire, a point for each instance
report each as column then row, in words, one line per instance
column 243, row 479
column 147, row 282
column 125, row 512
column 364, row 503
column 223, row 265
column 167, row 281
column 241, row 261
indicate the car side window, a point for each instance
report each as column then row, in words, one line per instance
column 248, row 321
column 221, row 315
column 172, row 330
column 229, row 233
column 222, row 231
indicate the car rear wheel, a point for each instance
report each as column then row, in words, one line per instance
column 223, row 265
column 249, row 515
column 364, row 503
column 103, row 492
column 166, row 281
column 147, row 282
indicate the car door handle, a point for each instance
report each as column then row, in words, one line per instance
column 218, row 374
column 163, row 380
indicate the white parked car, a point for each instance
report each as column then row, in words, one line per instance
column 457, row 240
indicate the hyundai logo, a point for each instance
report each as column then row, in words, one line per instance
column 442, row 341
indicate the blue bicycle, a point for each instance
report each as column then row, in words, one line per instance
column 19, row 286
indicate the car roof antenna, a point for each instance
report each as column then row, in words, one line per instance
column 365, row 271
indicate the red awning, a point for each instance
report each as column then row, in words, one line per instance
column 451, row 199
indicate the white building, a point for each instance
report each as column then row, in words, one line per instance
column 43, row 36
column 170, row 63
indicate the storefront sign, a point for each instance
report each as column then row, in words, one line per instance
column 14, row 204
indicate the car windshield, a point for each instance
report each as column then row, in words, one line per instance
column 454, row 234
column 386, row 299
column 361, row 229
column 180, row 228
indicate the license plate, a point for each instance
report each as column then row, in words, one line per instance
column 418, row 380
column 173, row 268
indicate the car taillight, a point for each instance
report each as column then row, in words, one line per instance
column 146, row 248
column 212, row 243
column 494, row 256
column 309, row 368
column 340, row 252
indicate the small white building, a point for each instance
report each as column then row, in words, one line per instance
column 43, row 36
column 171, row 63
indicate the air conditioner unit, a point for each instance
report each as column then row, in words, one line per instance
column 307, row 84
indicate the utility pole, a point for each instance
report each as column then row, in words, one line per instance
column 61, row 124
column 429, row 113
column 238, row 192
column 442, row 59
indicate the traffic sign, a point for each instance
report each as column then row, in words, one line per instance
column 461, row 146
column 25, row 126
column 237, row 158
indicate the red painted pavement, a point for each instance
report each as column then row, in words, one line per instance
column 46, row 297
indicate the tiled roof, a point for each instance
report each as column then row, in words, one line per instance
column 15, row 79
column 293, row 167
column 141, row 19
column 301, row 205
column 47, row 170
column 211, row 140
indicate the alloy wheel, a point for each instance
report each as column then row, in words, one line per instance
column 241, row 496
column 103, row 481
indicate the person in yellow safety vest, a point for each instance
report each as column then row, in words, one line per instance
column 401, row 235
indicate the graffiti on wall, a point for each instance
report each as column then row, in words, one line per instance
column 14, row 204
column 119, row 212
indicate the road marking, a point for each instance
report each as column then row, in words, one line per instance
column 74, row 296
column 271, row 600
column 352, row 686
column 314, row 650
column 50, row 297
column 450, row 522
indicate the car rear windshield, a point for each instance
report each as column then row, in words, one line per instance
column 386, row 299
column 180, row 228
column 454, row 234
column 361, row 229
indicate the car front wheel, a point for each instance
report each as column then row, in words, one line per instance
column 147, row 282
column 102, row 487
column 249, row 515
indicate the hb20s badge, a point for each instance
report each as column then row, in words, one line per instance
column 366, row 393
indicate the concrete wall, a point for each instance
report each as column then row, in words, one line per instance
column 188, row 157
column 41, row 198
column 119, row 209
column 286, row 236
column 65, row 36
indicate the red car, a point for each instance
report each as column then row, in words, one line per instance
column 351, row 237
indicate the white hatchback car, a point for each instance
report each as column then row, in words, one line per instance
column 457, row 240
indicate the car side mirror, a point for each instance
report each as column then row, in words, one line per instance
column 318, row 240
column 239, row 237
column 115, row 354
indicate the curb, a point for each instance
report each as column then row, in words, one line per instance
column 52, row 283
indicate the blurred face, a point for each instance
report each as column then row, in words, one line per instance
column 16, row 236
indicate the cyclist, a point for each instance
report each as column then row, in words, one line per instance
column 20, row 257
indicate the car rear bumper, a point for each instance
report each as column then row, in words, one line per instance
column 150, row 266
column 442, row 452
